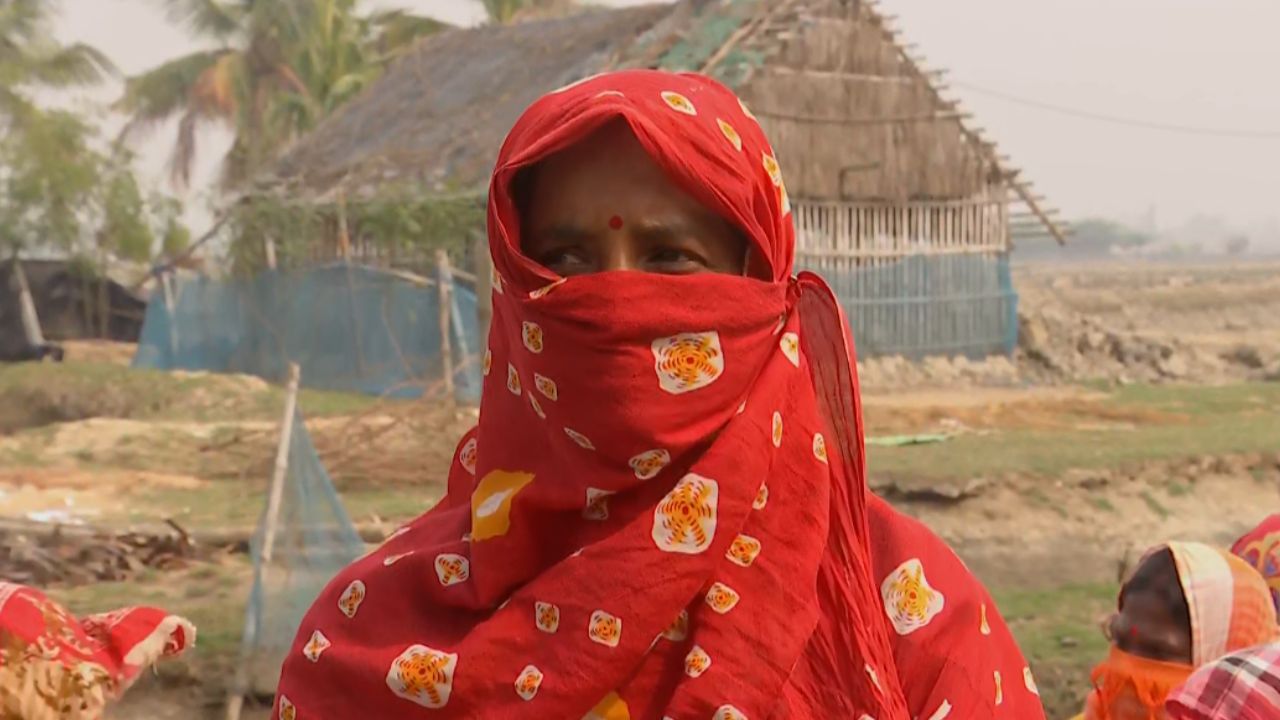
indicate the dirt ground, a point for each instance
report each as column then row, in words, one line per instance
column 1142, row 405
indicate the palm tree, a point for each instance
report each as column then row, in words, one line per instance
column 277, row 68
column 31, row 58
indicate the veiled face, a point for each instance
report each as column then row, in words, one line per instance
column 603, row 204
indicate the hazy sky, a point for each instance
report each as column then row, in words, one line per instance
column 1197, row 64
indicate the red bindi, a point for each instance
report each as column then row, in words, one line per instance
column 615, row 222
column 1133, row 633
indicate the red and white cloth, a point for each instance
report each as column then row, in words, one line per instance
column 664, row 510
column 1241, row 686
column 54, row 666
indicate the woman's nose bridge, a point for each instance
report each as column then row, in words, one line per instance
column 619, row 252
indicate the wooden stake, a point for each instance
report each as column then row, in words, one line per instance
column 484, row 285
column 269, row 246
column 275, row 496
column 445, row 278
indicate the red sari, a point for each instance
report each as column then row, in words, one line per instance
column 663, row 512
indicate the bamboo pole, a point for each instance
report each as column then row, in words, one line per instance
column 445, row 278
column 275, row 496
column 484, row 285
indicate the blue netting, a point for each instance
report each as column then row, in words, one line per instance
column 929, row 305
column 350, row 328
column 314, row 540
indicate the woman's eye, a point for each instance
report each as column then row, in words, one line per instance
column 564, row 261
column 676, row 257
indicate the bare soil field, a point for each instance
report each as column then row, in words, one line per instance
column 1142, row 405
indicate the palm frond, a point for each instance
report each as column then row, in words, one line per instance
column 207, row 18
column 71, row 66
column 161, row 92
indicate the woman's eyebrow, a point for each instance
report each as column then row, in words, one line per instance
column 566, row 232
column 657, row 229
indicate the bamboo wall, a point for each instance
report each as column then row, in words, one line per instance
column 916, row 279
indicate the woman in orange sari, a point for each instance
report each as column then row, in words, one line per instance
column 664, row 510
column 1186, row 605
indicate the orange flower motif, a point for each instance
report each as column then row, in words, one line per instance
column 546, row 617
column 648, row 464
column 722, row 598
column 597, row 507
column 1030, row 681
column 820, row 447
column 605, row 629
column 423, row 675
column 773, row 169
column 546, row 386
column 513, row 380
column 777, row 429
column 679, row 103
column 730, row 134
column 496, row 280
column 468, row 456
column 349, row 601
column 743, row 551
column 528, row 682
column 983, row 626
column 679, row 628
column 728, row 712
column 762, row 498
column 537, row 407
column 582, row 440
column 487, row 364
column 696, row 662
column 531, row 333
column 685, row 521
column 287, row 710
column 790, row 344
column 688, row 362
column 316, row 646
column 745, row 110
column 875, row 679
column 909, row 601
column 999, row 689
column 452, row 569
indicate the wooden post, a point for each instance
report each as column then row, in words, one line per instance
column 27, row 307
column 275, row 496
column 269, row 247
column 445, row 280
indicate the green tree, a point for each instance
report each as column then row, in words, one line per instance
column 31, row 58
column 278, row 67
column 48, row 176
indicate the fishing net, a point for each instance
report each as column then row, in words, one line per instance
column 313, row 540
column 350, row 328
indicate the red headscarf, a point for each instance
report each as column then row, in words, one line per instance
column 663, row 511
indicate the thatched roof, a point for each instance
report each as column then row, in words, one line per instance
column 850, row 113
column 438, row 116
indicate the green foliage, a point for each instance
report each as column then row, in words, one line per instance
column 279, row 68
column 48, row 175
column 125, row 231
column 399, row 223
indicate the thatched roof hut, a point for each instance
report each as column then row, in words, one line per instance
column 851, row 115
column 897, row 199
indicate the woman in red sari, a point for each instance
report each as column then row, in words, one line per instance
column 664, row 511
